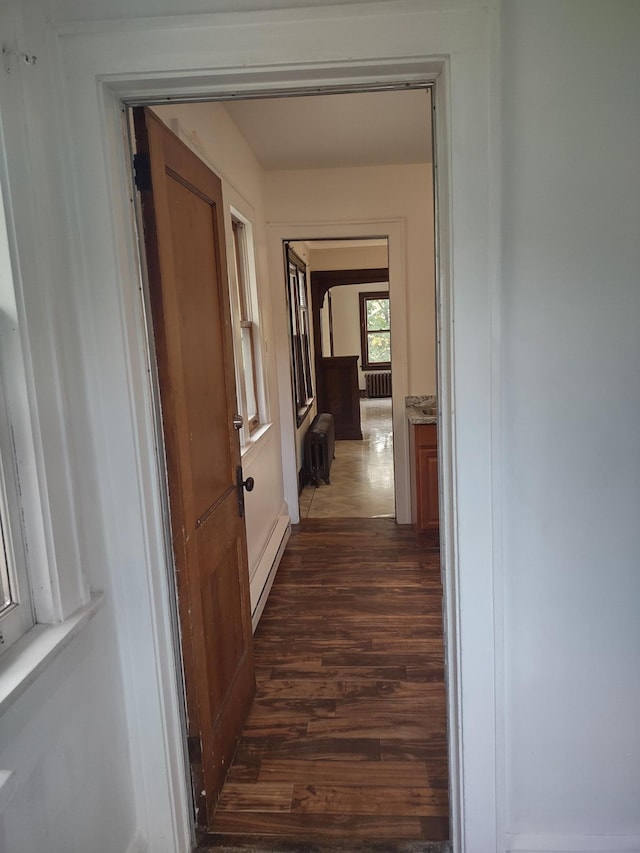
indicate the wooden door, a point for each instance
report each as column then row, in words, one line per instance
column 185, row 249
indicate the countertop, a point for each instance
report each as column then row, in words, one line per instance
column 421, row 409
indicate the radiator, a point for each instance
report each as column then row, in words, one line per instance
column 378, row 384
column 319, row 447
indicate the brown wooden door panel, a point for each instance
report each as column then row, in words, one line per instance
column 185, row 249
column 229, row 664
column 208, row 454
column 221, row 591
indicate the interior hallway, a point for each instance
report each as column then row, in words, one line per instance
column 361, row 474
column 346, row 738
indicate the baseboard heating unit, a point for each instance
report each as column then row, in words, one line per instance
column 378, row 384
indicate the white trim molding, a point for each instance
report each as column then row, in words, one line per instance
column 102, row 65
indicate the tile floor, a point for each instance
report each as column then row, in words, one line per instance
column 361, row 474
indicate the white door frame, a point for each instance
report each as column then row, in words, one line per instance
column 104, row 64
column 394, row 230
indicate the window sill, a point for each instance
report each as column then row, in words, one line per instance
column 303, row 412
column 21, row 664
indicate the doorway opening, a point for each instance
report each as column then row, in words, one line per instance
column 254, row 453
column 352, row 356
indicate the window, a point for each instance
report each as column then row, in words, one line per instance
column 16, row 612
column 5, row 582
column 248, row 360
column 299, row 327
column 42, row 583
column 375, row 330
column 16, row 615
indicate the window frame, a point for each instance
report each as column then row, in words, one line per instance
column 51, row 598
column 364, row 297
column 246, row 317
column 302, row 375
column 17, row 616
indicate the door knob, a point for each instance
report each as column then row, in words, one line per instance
column 241, row 485
column 238, row 422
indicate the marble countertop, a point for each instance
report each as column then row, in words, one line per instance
column 421, row 409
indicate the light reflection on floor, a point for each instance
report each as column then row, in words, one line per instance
column 361, row 474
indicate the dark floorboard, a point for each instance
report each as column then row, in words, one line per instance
column 345, row 746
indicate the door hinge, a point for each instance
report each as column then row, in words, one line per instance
column 142, row 172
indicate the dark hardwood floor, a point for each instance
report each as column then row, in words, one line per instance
column 346, row 739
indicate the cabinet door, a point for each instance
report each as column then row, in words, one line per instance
column 428, row 512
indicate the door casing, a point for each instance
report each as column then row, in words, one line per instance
column 395, row 233
column 394, row 230
column 470, row 409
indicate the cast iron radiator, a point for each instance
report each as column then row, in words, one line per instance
column 319, row 447
column 378, row 384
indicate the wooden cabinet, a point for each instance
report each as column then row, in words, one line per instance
column 424, row 477
column 338, row 394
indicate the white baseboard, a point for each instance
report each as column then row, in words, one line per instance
column 138, row 844
column 548, row 843
column 265, row 573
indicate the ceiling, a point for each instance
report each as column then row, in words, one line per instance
column 335, row 131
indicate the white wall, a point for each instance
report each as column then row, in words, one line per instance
column 210, row 132
column 66, row 740
column 570, row 315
